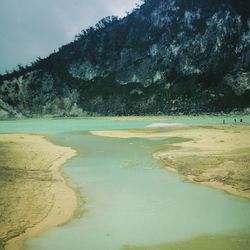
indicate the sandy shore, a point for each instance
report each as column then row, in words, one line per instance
column 208, row 242
column 34, row 195
column 164, row 117
column 145, row 118
column 216, row 156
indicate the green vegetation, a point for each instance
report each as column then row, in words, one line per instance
column 160, row 59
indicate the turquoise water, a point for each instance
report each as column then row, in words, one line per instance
column 55, row 126
column 130, row 200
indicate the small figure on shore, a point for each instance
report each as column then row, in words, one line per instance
column 241, row 120
column 235, row 120
column 224, row 121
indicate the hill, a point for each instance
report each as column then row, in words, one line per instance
column 166, row 57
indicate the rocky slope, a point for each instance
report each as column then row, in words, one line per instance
column 168, row 56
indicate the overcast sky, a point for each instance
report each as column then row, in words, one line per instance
column 32, row 28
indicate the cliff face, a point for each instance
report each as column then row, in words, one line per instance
column 168, row 56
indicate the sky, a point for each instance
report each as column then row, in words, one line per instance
column 35, row 28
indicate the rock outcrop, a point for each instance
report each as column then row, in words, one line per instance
column 168, row 56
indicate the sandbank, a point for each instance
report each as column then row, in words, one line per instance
column 217, row 156
column 34, row 195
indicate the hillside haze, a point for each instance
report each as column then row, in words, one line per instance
column 166, row 57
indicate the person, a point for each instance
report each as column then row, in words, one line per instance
column 224, row 121
column 235, row 120
column 241, row 120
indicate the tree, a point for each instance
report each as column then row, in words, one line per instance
column 106, row 21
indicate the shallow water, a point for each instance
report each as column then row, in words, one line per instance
column 130, row 200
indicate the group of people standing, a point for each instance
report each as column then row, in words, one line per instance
column 235, row 121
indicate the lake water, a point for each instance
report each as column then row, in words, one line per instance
column 130, row 200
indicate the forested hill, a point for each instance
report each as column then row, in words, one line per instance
column 166, row 57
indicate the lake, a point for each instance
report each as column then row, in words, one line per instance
column 129, row 198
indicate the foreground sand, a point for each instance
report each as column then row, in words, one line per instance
column 218, row 242
column 33, row 194
column 216, row 156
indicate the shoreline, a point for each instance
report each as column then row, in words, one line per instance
column 129, row 118
column 211, row 184
column 204, row 242
column 61, row 200
column 215, row 156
